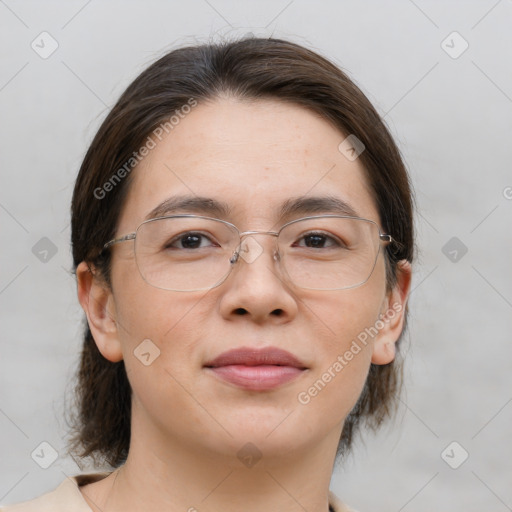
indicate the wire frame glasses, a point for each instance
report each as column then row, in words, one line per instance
column 194, row 253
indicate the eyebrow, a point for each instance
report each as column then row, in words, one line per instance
column 317, row 204
column 190, row 204
column 291, row 207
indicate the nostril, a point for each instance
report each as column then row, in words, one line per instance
column 240, row 311
column 277, row 312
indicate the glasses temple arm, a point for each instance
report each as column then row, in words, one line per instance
column 130, row 236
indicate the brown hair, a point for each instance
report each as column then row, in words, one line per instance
column 248, row 68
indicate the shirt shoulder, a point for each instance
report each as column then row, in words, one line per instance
column 337, row 505
column 65, row 498
column 68, row 498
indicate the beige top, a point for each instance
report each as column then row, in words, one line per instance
column 68, row 498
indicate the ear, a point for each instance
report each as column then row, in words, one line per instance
column 97, row 301
column 392, row 316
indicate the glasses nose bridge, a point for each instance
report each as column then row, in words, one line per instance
column 248, row 233
column 241, row 249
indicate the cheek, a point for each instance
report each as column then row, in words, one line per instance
column 161, row 338
column 345, row 343
column 342, row 316
column 159, row 330
column 145, row 312
column 333, row 388
column 168, row 319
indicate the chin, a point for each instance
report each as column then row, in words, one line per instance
column 277, row 431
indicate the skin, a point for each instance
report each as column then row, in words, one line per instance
column 187, row 425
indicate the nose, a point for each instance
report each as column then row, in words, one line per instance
column 256, row 289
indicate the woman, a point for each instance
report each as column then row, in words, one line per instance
column 242, row 237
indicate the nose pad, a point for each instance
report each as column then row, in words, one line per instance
column 249, row 250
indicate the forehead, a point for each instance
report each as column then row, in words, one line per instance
column 251, row 155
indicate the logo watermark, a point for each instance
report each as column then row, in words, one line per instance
column 137, row 156
column 304, row 397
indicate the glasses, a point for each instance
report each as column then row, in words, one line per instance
column 194, row 253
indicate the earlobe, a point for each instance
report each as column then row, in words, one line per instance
column 384, row 351
column 98, row 304
column 392, row 316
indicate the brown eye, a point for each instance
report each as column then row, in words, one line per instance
column 318, row 241
column 189, row 241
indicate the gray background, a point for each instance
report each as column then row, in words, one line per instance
column 453, row 120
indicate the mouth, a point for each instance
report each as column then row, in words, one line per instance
column 256, row 369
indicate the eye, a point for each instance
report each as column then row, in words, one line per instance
column 319, row 240
column 190, row 240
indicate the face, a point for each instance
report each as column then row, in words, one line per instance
column 253, row 157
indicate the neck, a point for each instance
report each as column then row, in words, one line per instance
column 160, row 477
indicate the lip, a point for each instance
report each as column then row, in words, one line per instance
column 256, row 369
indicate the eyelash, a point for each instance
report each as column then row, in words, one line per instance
column 328, row 238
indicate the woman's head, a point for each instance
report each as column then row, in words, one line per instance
column 257, row 133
